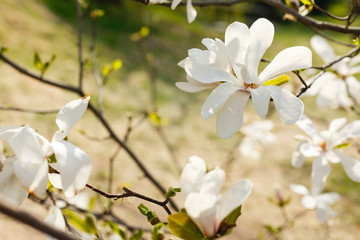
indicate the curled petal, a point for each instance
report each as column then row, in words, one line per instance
column 234, row 197
column 69, row 115
column 212, row 182
column 202, row 209
column 217, row 98
column 191, row 175
column 237, row 40
column 289, row 59
column 74, row 167
column 208, row 74
column 230, row 118
column 261, row 37
column 351, row 166
column 175, row 3
column 289, row 107
column 260, row 98
column 191, row 11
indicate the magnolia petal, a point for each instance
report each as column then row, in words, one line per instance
column 191, row 175
column 328, row 198
column 74, row 167
column 69, row 115
column 260, row 98
column 324, row 213
column 248, row 148
column 352, row 130
column 320, row 171
column 175, row 3
column 55, row 180
column 11, row 189
column 289, row 59
column 217, row 98
column 237, row 40
column 234, row 197
column 191, row 12
column 322, row 48
column 202, row 209
column 305, row 124
column 334, row 95
column 297, row 158
column 261, row 37
column 308, row 202
column 336, row 124
column 188, row 87
column 230, row 118
column 212, row 182
column 289, row 107
column 208, row 74
column 55, row 218
column 299, row 189
column 332, row 157
column 351, row 166
column 354, row 88
column 8, row 131
column 33, row 177
column 26, row 146
column 309, row 149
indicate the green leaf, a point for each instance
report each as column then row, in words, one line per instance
column 157, row 233
column 92, row 203
column 117, row 63
column 278, row 81
column 229, row 222
column 37, row 62
column 77, row 221
column 344, row 145
column 116, row 229
column 3, row 49
column 357, row 41
column 137, row 236
column 157, row 120
column 172, row 192
column 91, row 224
column 96, row 13
column 182, row 226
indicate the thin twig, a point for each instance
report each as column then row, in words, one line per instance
column 79, row 33
column 28, row 110
column 323, row 11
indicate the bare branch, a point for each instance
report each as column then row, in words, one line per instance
column 34, row 222
column 28, row 110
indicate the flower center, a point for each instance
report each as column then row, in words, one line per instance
column 322, row 144
column 251, row 85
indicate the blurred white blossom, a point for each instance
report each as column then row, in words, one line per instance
column 28, row 169
column 326, row 147
column 203, row 201
column 334, row 88
column 256, row 136
column 190, row 10
column 56, row 218
column 319, row 201
column 232, row 69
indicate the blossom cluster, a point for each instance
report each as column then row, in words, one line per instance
column 37, row 160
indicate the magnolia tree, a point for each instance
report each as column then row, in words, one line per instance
column 233, row 71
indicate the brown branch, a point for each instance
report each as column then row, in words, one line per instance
column 99, row 116
column 323, row 11
column 38, row 224
column 130, row 193
column 27, row 110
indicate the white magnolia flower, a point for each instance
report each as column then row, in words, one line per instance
column 324, row 146
column 317, row 201
column 257, row 135
column 190, row 10
column 333, row 89
column 232, row 67
column 29, row 167
column 203, row 201
column 56, row 218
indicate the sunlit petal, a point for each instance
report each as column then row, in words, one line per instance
column 191, row 11
column 74, row 166
column 320, row 171
column 237, row 40
column 323, row 49
column 208, row 74
column 305, row 124
column 55, row 218
column 297, row 158
column 351, row 166
column 212, row 182
column 191, row 175
column 260, row 98
column 289, row 107
column 230, row 118
column 299, row 189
